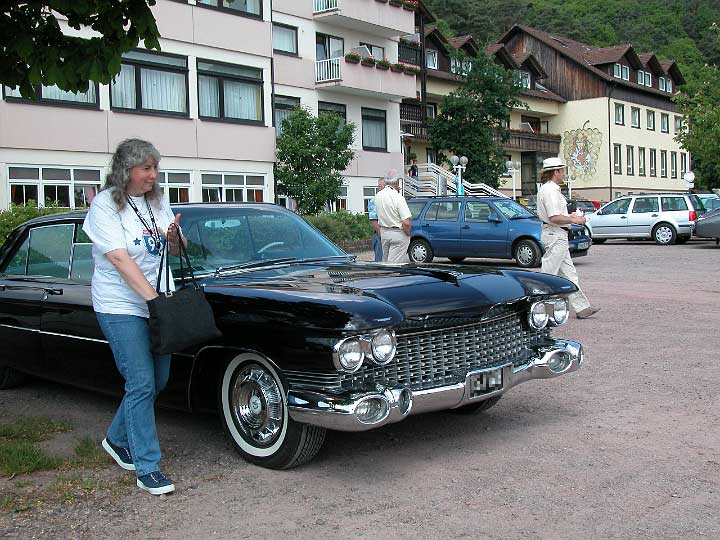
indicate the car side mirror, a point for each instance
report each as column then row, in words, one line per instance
column 492, row 218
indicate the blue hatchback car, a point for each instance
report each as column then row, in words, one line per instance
column 491, row 227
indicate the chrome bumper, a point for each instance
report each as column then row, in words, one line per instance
column 340, row 411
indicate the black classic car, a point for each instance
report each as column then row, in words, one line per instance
column 312, row 340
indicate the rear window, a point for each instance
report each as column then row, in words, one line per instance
column 416, row 208
column 673, row 204
column 696, row 202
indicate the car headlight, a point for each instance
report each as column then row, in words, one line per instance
column 348, row 354
column 383, row 345
column 538, row 317
column 561, row 312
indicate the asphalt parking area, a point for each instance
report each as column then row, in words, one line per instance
column 626, row 448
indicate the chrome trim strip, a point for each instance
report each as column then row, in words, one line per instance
column 37, row 331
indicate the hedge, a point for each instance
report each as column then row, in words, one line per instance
column 342, row 226
column 9, row 219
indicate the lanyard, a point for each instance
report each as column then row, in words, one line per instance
column 154, row 232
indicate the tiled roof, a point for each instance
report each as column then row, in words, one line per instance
column 544, row 94
column 610, row 55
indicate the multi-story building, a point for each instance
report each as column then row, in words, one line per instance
column 212, row 100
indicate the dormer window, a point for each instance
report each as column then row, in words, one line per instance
column 641, row 78
column 431, row 59
column 621, row 72
column 460, row 67
column 661, row 83
column 522, row 79
column 668, row 85
column 648, row 79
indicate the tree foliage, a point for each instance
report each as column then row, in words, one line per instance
column 473, row 118
column 311, row 154
column 34, row 50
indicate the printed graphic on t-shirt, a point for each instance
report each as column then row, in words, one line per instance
column 150, row 243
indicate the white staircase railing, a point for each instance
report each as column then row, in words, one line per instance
column 433, row 180
column 324, row 5
column 327, row 70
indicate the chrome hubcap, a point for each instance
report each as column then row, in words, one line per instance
column 256, row 405
column 524, row 255
column 419, row 253
column 663, row 235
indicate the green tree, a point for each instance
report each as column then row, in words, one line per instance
column 473, row 118
column 311, row 154
column 34, row 50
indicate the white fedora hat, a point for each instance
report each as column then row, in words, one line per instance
column 550, row 164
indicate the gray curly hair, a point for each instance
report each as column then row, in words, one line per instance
column 129, row 154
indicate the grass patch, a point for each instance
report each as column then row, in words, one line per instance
column 88, row 453
column 21, row 457
column 32, row 428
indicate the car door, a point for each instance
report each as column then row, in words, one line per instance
column 643, row 215
column 611, row 220
column 484, row 231
column 441, row 227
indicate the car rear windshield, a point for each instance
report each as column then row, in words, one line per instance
column 513, row 210
column 415, row 208
column 696, row 202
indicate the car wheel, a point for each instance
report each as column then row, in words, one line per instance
column 253, row 402
column 664, row 234
column 420, row 251
column 527, row 253
column 456, row 259
column 10, row 378
column 474, row 408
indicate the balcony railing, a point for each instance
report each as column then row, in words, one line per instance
column 327, row 70
column 527, row 141
column 324, row 5
column 409, row 54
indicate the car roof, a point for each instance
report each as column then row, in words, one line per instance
column 463, row 198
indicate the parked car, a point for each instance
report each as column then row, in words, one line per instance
column 708, row 225
column 664, row 217
column 492, row 227
column 710, row 201
column 586, row 206
column 312, row 340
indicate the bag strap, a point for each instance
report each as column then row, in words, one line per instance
column 165, row 263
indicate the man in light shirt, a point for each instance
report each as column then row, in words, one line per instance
column 394, row 219
column 552, row 210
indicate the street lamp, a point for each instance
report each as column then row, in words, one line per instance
column 459, row 164
column 512, row 167
column 689, row 178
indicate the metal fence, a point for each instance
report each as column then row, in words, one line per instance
column 324, row 5
column 327, row 70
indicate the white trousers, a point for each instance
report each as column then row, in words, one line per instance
column 557, row 261
column 395, row 245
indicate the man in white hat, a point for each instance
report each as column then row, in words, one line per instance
column 552, row 210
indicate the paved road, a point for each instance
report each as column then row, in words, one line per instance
column 627, row 448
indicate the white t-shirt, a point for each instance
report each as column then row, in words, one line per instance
column 391, row 208
column 110, row 229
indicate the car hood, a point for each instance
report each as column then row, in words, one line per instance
column 356, row 296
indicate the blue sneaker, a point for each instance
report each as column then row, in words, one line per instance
column 155, row 483
column 121, row 455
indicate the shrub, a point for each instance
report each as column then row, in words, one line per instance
column 342, row 226
column 18, row 214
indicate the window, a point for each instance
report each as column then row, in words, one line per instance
column 430, row 111
column 328, row 47
column 668, row 86
column 616, row 207
column 333, row 108
column 150, row 82
column 648, row 79
column 369, row 193
column 524, row 79
column 53, row 94
column 673, row 204
column 661, row 83
column 227, row 92
column 663, row 163
column 431, row 59
column 617, row 71
column 285, row 39
column 49, row 251
column 683, row 164
column 617, row 158
column 645, row 205
column 443, row 211
column 641, row 161
column 240, row 7
column 678, row 124
column 374, row 131
column 651, row 120
column 664, row 123
column 641, row 78
column 653, row 162
column 176, row 185
column 431, row 155
column 673, row 165
column 630, row 150
column 284, row 105
column 626, row 73
column 232, row 187
column 460, row 66
column 66, row 187
column 378, row 53
column 635, row 117
column 620, row 114
column 341, row 201
column 478, row 212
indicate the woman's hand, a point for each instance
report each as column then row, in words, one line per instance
column 173, row 236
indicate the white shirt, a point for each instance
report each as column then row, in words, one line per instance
column 391, row 208
column 110, row 229
column 551, row 202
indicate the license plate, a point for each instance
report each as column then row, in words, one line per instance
column 583, row 245
column 485, row 382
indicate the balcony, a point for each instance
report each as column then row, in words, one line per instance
column 365, row 16
column 528, row 141
column 412, row 122
column 341, row 76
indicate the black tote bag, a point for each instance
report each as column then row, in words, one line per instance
column 182, row 318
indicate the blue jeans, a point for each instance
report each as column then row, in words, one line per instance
column 377, row 247
column 145, row 376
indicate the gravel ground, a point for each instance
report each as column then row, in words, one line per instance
column 626, row 448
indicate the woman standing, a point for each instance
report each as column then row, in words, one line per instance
column 127, row 224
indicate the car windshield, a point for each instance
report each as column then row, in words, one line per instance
column 236, row 236
column 513, row 210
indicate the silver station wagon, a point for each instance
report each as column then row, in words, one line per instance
column 667, row 218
